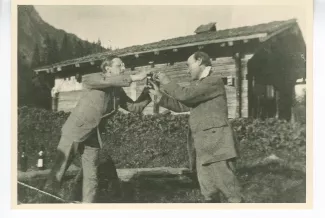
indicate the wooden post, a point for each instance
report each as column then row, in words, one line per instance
column 250, row 95
column 55, row 101
column 293, row 103
column 125, row 175
column 155, row 106
column 277, row 102
column 238, row 83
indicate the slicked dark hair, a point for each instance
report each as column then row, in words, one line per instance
column 107, row 62
column 204, row 57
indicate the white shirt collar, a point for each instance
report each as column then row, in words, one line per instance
column 205, row 72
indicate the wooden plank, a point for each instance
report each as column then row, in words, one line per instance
column 238, row 81
column 230, row 68
column 223, row 65
column 244, row 99
column 180, row 66
column 223, row 60
column 124, row 175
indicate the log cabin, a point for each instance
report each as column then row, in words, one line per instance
column 259, row 65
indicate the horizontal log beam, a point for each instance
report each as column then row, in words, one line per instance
column 124, row 174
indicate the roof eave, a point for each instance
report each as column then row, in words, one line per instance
column 271, row 35
column 214, row 41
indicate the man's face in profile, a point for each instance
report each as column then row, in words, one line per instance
column 194, row 67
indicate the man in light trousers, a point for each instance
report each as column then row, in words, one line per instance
column 81, row 133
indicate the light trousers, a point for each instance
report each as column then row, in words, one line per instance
column 66, row 152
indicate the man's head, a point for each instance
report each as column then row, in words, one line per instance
column 113, row 66
column 196, row 64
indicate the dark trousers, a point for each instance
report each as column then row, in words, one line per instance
column 191, row 151
column 214, row 179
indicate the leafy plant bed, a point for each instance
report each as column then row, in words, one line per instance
column 138, row 141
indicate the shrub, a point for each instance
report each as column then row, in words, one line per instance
column 136, row 140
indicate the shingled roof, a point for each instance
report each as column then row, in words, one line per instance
column 245, row 32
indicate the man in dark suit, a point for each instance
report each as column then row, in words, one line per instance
column 81, row 132
column 214, row 140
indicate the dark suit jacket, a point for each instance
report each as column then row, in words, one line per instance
column 213, row 136
column 103, row 96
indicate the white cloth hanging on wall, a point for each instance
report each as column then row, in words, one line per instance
column 66, row 85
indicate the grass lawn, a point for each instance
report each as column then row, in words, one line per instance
column 262, row 182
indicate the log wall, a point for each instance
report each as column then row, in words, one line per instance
column 71, row 91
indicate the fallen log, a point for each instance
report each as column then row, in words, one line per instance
column 42, row 174
column 125, row 175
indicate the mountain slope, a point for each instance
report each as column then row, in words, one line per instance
column 32, row 30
